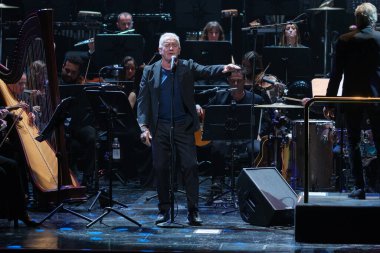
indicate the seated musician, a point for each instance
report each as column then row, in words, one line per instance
column 71, row 72
column 124, row 23
column 18, row 91
column 212, row 31
column 219, row 150
column 252, row 60
column 13, row 198
column 131, row 73
column 80, row 129
column 290, row 35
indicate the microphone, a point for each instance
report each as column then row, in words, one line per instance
column 232, row 89
column 173, row 63
column 113, row 67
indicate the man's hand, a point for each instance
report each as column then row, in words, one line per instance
column 200, row 111
column 230, row 67
column 146, row 138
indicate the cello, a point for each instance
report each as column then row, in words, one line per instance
column 46, row 160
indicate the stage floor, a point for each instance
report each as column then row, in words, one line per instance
column 219, row 233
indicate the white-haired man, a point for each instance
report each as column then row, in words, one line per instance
column 358, row 58
column 155, row 102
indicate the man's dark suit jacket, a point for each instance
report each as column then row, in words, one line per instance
column 358, row 58
column 149, row 96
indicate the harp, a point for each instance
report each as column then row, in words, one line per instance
column 34, row 56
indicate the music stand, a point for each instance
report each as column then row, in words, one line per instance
column 228, row 122
column 55, row 121
column 112, row 48
column 111, row 108
column 207, row 52
column 289, row 64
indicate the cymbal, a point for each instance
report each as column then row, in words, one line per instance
column 326, row 8
column 4, row 6
column 280, row 106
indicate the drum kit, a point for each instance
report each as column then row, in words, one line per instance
column 289, row 140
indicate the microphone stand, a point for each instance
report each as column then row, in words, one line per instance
column 171, row 223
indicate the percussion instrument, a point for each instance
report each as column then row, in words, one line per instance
column 320, row 156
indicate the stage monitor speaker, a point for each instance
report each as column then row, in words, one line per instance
column 265, row 198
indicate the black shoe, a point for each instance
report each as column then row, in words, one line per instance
column 194, row 219
column 162, row 217
column 357, row 193
column 28, row 221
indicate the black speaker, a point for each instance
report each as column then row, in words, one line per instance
column 265, row 198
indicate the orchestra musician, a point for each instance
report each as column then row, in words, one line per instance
column 82, row 134
column 154, row 117
column 131, row 72
column 71, row 71
column 359, row 80
column 212, row 31
column 18, row 91
column 219, row 149
column 290, row 35
column 124, row 23
column 252, row 62
column 13, row 198
column 137, row 153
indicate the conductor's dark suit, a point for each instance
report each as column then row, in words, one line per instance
column 358, row 59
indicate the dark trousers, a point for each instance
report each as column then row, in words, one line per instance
column 12, row 194
column 185, row 151
column 354, row 118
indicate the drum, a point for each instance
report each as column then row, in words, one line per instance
column 320, row 154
